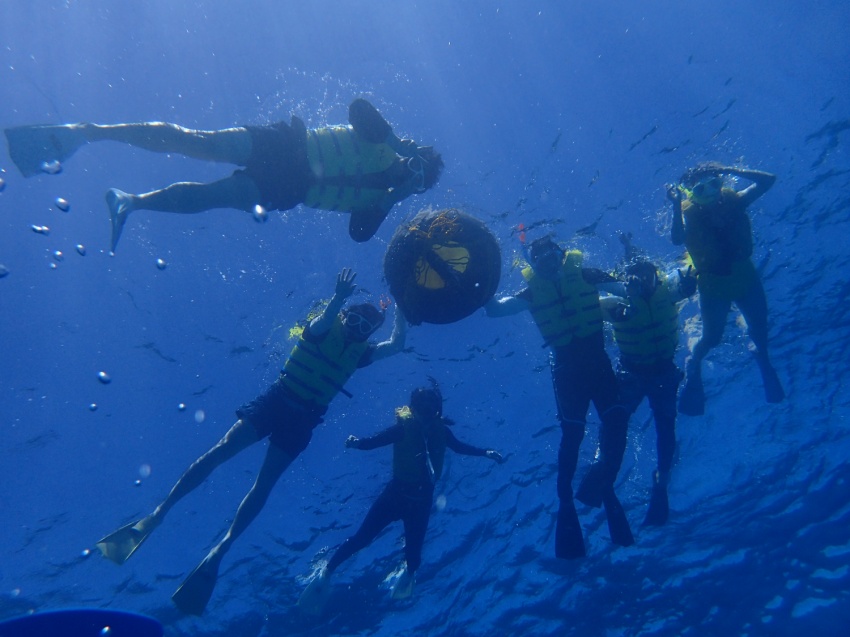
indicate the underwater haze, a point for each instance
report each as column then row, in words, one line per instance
column 562, row 117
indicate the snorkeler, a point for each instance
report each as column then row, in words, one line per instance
column 711, row 220
column 331, row 348
column 362, row 169
column 420, row 437
column 646, row 329
column 563, row 299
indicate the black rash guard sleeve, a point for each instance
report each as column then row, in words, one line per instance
column 382, row 439
column 461, row 447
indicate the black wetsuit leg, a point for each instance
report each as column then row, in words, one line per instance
column 612, row 446
column 388, row 508
column 662, row 390
column 416, row 515
column 572, row 403
column 603, row 387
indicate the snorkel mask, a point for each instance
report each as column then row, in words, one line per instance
column 416, row 165
column 641, row 279
column 706, row 191
column 545, row 257
column 362, row 320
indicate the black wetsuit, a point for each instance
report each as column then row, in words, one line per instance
column 403, row 499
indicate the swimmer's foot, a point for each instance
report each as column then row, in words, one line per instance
column 120, row 205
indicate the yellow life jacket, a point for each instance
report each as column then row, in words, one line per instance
column 338, row 160
column 567, row 308
column 411, row 455
column 316, row 372
column 651, row 332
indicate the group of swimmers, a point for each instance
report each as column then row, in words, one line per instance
column 364, row 169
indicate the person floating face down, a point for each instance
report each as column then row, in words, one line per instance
column 712, row 221
column 645, row 319
column 331, row 348
column 361, row 168
column 420, row 437
column 563, row 299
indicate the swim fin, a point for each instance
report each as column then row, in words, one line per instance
column 315, row 597
column 119, row 545
column 569, row 542
column 659, row 506
column 403, row 587
column 30, row 147
column 118, row 202
column 195, row 591
column 692, row 397
column 618, row 524
column 773, row 391
column 592, row 486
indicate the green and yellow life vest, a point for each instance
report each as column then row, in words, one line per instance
column 650, row 334
column 338, row 160
column 316, row 372
column 410, row 462
column 567, row 308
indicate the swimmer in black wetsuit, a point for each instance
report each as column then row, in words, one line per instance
column 420, row 437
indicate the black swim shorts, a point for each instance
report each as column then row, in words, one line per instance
column 287, row 421
column 278, row 164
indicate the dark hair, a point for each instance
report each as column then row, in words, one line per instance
column 541, row 245
column 703, row 169
column 432, row 162
column 428, row 399
column 641, row 268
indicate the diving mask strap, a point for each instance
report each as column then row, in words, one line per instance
column 418, row 173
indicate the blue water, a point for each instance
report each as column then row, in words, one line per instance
column 544, row 111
